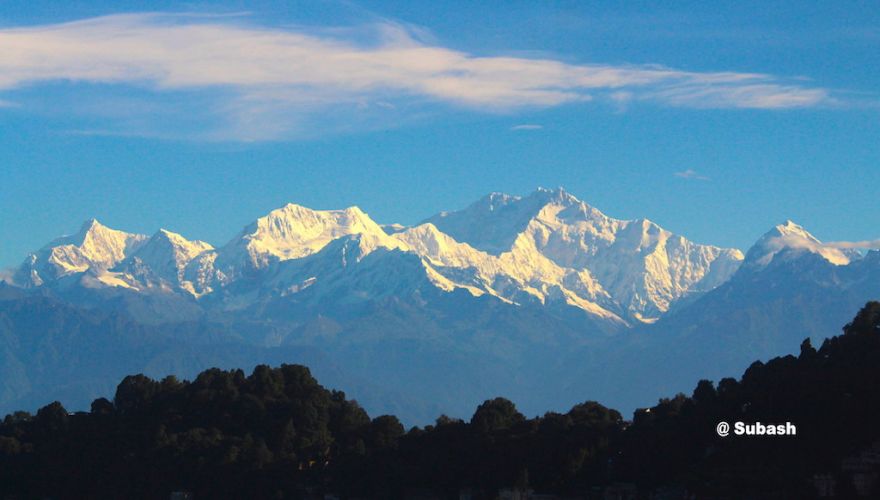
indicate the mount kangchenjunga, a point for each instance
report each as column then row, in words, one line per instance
column 640, row 267
column 546, row 249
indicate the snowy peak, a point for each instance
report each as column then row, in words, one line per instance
column 789, row 229
column 493, row 222
column 95, row 246
column 294, row 231
column 642, row 266
column 793, row 240
column 291, row 232
column 494, row 201
column 557, row 196
column 99, row 244
column 164, row 256
column 188, row 248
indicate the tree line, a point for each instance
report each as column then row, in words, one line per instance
column 277, row 433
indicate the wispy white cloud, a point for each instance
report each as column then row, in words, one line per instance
column 527, row 126
column 278, row 80
column 691, row 174
column 856, row 245
column 745, row 94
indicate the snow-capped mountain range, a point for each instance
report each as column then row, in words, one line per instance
column 541, row 298
column 546, row 248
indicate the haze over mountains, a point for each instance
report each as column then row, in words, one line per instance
column 540, row 298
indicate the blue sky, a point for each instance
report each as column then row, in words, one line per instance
column 716, row 121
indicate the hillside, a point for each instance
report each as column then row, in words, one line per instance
column 278, row 433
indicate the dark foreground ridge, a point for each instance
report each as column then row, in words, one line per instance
column 278, row 434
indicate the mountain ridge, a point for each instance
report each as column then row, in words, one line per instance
column 541, row 253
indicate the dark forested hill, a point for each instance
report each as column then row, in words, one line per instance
column 278, row 433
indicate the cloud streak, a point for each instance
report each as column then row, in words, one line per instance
column 855, row 245
column 279, row 77
column 527, row 126
column 691, row 174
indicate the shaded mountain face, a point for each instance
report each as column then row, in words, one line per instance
column 160, row 263
column 52, row 350
column 541, row 298
column 799, row 288
column 790, row 287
